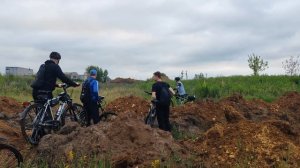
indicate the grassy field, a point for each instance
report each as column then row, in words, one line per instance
column 267, row 88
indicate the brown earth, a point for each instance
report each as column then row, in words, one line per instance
column 9, row 123
column 126, row 140
column 132, row 106
column 232, row 132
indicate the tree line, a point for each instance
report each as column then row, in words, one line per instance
column 257, row 64
column 102, row 74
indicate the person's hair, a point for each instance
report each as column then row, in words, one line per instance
column 158, row 74
column 177, row 79
column 55, row 55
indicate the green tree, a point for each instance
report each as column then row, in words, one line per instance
column 257, row 64
column 105, row 76
column 100, row 73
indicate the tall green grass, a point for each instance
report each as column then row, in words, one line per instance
column 16, row 87
column 267, row 88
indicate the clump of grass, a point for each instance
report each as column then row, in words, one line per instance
column 178, row 134
column 73, row 160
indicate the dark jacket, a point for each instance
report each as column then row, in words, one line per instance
column 52, row 72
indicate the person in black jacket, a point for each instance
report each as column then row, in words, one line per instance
column 162, row 92
column 48, row 76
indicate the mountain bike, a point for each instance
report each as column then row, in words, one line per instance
column 10, row 157
column 104, row 116
column 183, row 99
column 39, row 119
column 151, row 115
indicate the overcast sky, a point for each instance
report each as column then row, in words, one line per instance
column 134, row 38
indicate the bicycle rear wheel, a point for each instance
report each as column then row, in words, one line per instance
column 10, row 157
column 72, row 114
column 31, row 133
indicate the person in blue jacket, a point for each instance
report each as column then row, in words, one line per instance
column 92, row 105
column 180, row 87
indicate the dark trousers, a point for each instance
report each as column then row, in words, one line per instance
column 41, row 96
column 163, row 112
column 92, row 112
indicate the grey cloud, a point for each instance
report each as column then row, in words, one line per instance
column 134, row 38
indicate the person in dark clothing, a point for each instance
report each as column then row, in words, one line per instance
column 45, row 82
column 91, row 106
column 162, row 92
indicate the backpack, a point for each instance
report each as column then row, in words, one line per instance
column 165, row 96
column 40, row 78
column 85, row 96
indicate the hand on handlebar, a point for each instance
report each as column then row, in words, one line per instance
column 64, row 85
column 60, row 85
column 149, row 93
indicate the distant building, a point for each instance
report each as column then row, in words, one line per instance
column 76, row 76
column 72, row 75
column 84, row 76
column 18, row 71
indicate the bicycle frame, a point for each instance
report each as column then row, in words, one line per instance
column 47, row 109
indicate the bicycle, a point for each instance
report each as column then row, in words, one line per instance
column 151, row 115
column 183, row 99
column 38, row 118
column 104, row 116
column 10, row 157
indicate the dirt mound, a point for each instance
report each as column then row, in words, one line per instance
column 247, row 144
column 226, row 133
column 255, row 110
column 288, row 109
column 9, row 107
column 134, row 107
column 9, row 123
column 128, row 142
column 124, row 81
column 200, row 116
column 197, row 117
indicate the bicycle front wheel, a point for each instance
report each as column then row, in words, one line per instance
column 31, row 133
column 150, row 118
column 10, row 157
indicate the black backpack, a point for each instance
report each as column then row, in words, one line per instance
column 40, row 78
column 165, row 96
column 85, row 95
